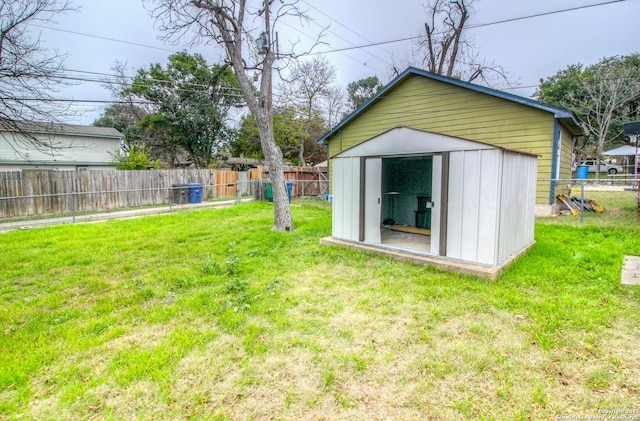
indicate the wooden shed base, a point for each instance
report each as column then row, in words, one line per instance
column 409, row 229
column 444, row 263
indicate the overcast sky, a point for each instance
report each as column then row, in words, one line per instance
column 529, row 49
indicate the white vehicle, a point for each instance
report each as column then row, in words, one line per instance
column 604, row 167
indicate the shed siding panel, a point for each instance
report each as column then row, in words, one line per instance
column 491, row 164
column 454, row 208
column 471, row 174
column 337, row 203
column 517, row 204
column 473, row 205
column 346, row 198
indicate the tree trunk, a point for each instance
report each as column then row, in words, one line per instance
column 260, row 107
column 273, row 155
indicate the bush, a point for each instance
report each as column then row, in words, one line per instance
column 136, row 158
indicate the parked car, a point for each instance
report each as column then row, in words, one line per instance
column 604, row 167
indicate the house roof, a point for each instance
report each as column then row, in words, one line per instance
column 35, row 127
column 243, row 161
column 566, row 116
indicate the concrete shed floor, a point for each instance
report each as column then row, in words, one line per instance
column 406, row 240
column 444, row 263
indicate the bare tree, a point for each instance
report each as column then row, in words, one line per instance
column 610, row 87
column 447, row 50
column 228, row 23
column 28, row 73
column 119, row 84
column 308, row 88
column 336, row 104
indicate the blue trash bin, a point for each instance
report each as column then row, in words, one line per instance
column 583, row 172
column 195, row 192
column 289, row 189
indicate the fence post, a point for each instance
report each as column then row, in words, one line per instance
column 582, row 203
column 73, row 206
column 238, row 193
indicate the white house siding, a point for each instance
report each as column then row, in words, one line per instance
column 474, row 195
column 518, row 204
column 67, row 152
column 346, row 198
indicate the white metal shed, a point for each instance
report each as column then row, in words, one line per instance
column 435, row 195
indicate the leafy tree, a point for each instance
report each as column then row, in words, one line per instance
column 290, row 130
column 191, row 101
column 121, row 118
column 246, row 142
column 28, row 72
column 135, row 158
column 604, row 96
column 361, row 90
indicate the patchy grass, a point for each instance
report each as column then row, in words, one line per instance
column 210, row 315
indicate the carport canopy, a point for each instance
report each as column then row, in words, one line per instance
column 622, row 151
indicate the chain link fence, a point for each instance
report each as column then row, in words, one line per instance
column 76, row 204
column 611, row 201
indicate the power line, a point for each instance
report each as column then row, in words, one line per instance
column 571, row 9
column 344, row 54
column 186, row 87
column 479, row 25
column 349, row 29
column 343, row 25
column 329, row 51
column 103, row 38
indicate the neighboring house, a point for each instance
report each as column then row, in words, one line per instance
column 446, row 170
column 62, row 147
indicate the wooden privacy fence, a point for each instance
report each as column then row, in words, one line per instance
column 29, row 192
column 307, row 181
column 34, row 192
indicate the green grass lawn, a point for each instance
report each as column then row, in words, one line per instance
column 210, row 315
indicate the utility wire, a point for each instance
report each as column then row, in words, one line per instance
column 344, row 54
column 479, row 25
column 343, row 25
column 103, row 38
column 310, row 54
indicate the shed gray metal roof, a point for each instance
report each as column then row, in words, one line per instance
column 35, row 127
column 558, row 112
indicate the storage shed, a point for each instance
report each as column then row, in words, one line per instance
column 435, row 195
column 418, row 192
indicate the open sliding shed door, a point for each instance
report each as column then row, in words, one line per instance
column 372, row 202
